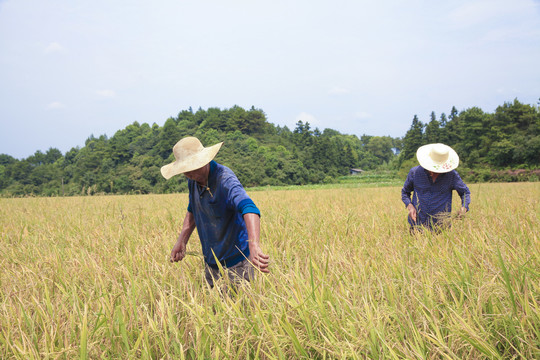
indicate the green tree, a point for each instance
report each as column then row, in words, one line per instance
column 167, row 138
column 7, row 159
column 443, row 133
column 264, row 154
column 381, row 148
column 414, row 138
column 433, row 130
column 475, row 142
column 302, row 134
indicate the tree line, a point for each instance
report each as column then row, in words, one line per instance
column 262, row 153
column 500, row 146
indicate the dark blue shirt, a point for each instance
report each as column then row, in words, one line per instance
column 433, row 200
column 218, row 210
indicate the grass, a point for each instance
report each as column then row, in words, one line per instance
column 377, row 178
column 89, row 278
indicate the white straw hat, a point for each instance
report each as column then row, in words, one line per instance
column 438, row 158
column 190, row 155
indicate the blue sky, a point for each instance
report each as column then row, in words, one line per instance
column 71, row 68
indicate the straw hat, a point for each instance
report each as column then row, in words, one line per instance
column 438, row 158
column 190, row 155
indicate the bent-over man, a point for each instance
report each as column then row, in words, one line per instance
column 431, row 184
column 227, row 220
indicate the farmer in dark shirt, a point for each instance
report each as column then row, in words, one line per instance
column 227, row 220
column 432, row 183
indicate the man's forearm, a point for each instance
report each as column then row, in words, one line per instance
column 187, row 228
column 256, row 256
column 253, row 226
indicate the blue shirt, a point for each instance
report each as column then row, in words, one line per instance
column 218, row 210
column 433, row 199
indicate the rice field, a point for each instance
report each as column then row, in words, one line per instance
column 89, row 278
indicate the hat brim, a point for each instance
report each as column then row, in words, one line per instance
column 422, row 155
column 194, row 162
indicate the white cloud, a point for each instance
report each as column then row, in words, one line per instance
column 515, row 33
column 480, row 11
column 336, row 90
column 305, row 117
column 362, row 115
column 106, row 93
column 508, row 91
column 54, row 47
column 56, row 105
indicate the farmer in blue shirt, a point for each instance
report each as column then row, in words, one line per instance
column 432, row 183
column 227, row 220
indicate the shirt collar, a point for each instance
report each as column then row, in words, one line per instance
column 213, row 166
column 441, row 175
column 203, row 188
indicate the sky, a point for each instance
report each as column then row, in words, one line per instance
column 72, row 68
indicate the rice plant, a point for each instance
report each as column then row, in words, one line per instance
column 89, row 278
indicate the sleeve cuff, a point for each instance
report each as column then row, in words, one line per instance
column 248, row 206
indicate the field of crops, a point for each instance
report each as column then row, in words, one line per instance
column 89, row 278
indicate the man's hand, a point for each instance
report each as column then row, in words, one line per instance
column 412, row 212
column 178, row 251
column 461, row 212
column 257, row 257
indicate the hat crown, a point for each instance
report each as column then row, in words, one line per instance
column 187, row 147
column 438, row 158
column 439, row 153
column 190, row 155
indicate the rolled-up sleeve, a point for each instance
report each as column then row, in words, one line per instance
column 247, row 206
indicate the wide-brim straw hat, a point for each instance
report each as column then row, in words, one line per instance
column 438, row 158
column 190, row 155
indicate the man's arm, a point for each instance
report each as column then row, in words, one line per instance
column 256, row 256
column 464, row 193
column 179, row 250
column 406, row 191
column 239, row 200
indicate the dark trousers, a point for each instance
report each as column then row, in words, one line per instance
column 243, row 271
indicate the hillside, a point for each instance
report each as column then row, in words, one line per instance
column 491, row 147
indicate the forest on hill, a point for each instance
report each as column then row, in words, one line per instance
column 499, row 146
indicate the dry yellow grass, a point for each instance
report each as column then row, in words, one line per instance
column 89, row 278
